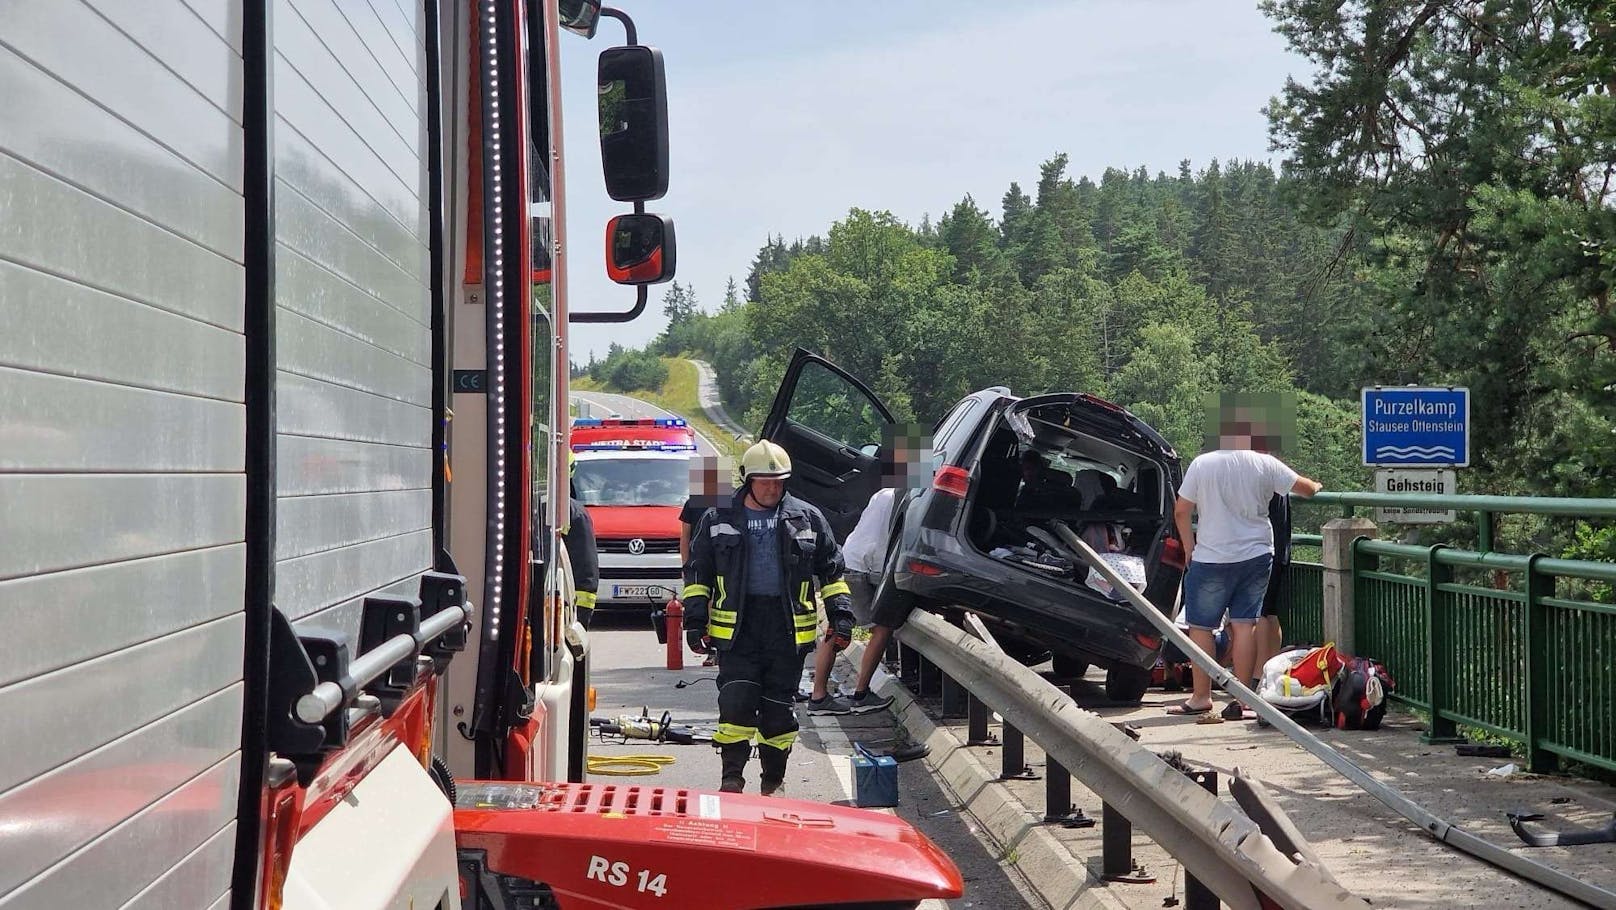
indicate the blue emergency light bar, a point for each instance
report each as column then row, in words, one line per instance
column 614, row 445
column 662, row 423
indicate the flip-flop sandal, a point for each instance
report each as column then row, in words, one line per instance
column 1209, row 719
column 1183, row 709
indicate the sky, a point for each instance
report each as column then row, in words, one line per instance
column 783, row 115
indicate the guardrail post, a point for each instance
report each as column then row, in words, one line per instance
column 1438, row 654
column 931, row 677
column 1337, row 557
column 1116, row 849
column 1057, row 791
column 1057, row 788
column 977, row 733
column 909, row 666
column 1013, row 757
column 1196, row 895
column 1539, row 664
column 953, row 697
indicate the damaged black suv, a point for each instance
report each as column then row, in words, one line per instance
column 1011, row 477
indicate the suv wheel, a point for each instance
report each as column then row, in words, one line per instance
column 1126, row 684
column 1068, row 667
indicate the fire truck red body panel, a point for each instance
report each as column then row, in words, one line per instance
column 616, row 846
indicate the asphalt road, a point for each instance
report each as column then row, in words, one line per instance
column 711, row 402
column 605, row 404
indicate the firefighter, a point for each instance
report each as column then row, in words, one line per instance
column 749, row 593
column 582, row 556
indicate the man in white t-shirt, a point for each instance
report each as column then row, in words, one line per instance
column 1232, row 552
column 865, row 552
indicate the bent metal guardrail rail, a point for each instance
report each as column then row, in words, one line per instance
column 1221, row 847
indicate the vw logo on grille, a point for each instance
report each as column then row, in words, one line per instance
column 636, row 546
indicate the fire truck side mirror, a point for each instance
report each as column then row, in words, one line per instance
column 633, row 123
column 640, row 249
column 579, row 16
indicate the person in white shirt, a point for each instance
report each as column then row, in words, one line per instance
column 865, row 553
column 1231, row 553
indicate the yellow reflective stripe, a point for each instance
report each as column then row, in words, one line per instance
column 782, row 742
column 695, row 591
column 725, row 616
column 721, row 596
column 805, row 599
column 835, row 588
column 716, row 631
column 734, row 733
column 806, row 620
column 586, row 599
column 805, row 636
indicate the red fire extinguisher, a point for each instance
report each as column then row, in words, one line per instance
column 673, row 618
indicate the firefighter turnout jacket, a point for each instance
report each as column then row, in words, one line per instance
column 715, row 592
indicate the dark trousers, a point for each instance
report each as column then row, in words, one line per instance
column 757, row 686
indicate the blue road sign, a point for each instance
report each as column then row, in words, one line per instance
column 1416, row 426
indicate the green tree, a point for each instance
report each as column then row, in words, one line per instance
column 1166, row 384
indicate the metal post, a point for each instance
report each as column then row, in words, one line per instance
column 1196, row 895
column 931, row 678
column 953, row 697
column 1116, row 849
column 1057, row 792
column 1438, row 659
column 1058, row 784
column 1539, row 666
column 909, row 666
column 1013, row 764
column 977, row 733
column 1484, row 531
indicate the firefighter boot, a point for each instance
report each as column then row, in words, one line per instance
column 734, row 756
column 774, row 769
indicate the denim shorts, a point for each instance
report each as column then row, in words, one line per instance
column 1212, row 589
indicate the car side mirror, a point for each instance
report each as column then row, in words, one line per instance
column 633, row 123
column 640, row 249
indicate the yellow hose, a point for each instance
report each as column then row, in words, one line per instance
column 628, row 765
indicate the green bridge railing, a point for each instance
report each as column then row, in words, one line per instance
column 1523, row 647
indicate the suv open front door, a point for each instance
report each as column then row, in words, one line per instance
column 832, row 426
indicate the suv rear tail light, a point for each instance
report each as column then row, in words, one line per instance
column 924, row 568
column 1173, row 553
column 1149, row 641
column 952, row 480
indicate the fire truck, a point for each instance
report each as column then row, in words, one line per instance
column 632, row 476
column 283, row 385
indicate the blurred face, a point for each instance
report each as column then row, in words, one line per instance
column 767, row 491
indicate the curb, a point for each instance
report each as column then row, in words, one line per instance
column 1049, row 868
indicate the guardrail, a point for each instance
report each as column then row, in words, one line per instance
column 1227, row 852
column 1518, row 660
column 1485, row 508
